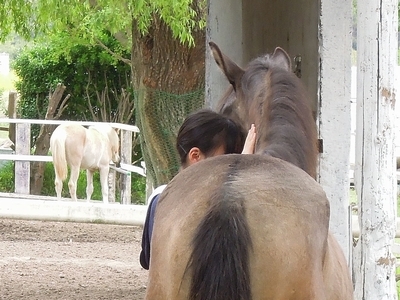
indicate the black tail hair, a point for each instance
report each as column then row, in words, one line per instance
column 219, row 263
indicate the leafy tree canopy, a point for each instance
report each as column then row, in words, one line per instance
column 86, row 19
column 85, row 70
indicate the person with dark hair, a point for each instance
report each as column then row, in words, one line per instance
column 203, row 134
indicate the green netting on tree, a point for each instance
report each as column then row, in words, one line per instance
column 159, row 115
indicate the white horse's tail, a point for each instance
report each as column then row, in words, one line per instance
column 57, row 146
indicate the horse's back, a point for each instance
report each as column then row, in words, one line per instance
column 96, row 152
column 87, row 148
column 72, row 136
column 287, row 215
column 69, row 131
column 75, row 142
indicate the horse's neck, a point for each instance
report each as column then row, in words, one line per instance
column 281, row 134
column 103, row 132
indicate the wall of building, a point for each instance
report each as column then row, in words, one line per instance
column 290, row 24
column 320, row 32
column 224, row 27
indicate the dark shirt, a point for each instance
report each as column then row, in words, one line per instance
column 147, row 232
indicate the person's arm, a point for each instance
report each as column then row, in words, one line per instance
column 250, row 143
column 147, row 233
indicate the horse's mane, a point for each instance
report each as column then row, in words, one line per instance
column 278, row 99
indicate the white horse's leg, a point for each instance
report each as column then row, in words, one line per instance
column 73, row 179
column 104, row 182
column 89, row 184
column 58, row 184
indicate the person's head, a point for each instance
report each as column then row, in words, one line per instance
column 206, row 133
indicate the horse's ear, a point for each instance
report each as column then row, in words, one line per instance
column 282, row 58
column 231, row 70
column 117, row 130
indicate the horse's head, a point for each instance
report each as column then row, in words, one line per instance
column 249, row 86
column 114, row 144
column 231, row 103
column 268, row 94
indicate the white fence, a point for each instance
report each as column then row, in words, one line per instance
column 24, row 206
column 22, row 158
column 36, row 208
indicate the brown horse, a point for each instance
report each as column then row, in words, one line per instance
column 242, row 227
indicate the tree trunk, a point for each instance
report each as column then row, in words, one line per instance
column 169, row 81
column 42, row 147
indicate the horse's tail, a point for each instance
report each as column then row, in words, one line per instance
column 219, row 263
column 57, row 145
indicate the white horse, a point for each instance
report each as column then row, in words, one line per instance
column 90, row 149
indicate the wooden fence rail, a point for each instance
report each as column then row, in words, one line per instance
column 22, row 156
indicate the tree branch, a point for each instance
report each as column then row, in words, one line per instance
column 88, row 97
column 116, row 55
column 62, row 107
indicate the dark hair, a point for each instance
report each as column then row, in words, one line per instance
column 208, row 130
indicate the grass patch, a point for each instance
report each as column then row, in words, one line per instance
column 7, row 182
column 398, row 282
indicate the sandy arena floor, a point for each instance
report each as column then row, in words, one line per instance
column 55, row 260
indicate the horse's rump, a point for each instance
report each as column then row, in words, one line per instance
column 65, row 139
column 221, row 239
column 57, row 148
column 75, row 144
column 282, row 205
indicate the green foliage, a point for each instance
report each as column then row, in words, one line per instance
column 398, row 283
column 38, row 75
column 86, row 20
column 7, row 177
column 85, row 71
column 41, row 67
column 138, row 188
column 16, row 16
column 88, row 23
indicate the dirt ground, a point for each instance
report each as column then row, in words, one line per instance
column 56, row 260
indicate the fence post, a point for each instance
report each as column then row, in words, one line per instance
column 126, row 157
column 22, row 168
column 375, row 169
column 111, row 185
column 12, row 114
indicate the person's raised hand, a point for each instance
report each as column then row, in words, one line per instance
column 250, row 142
